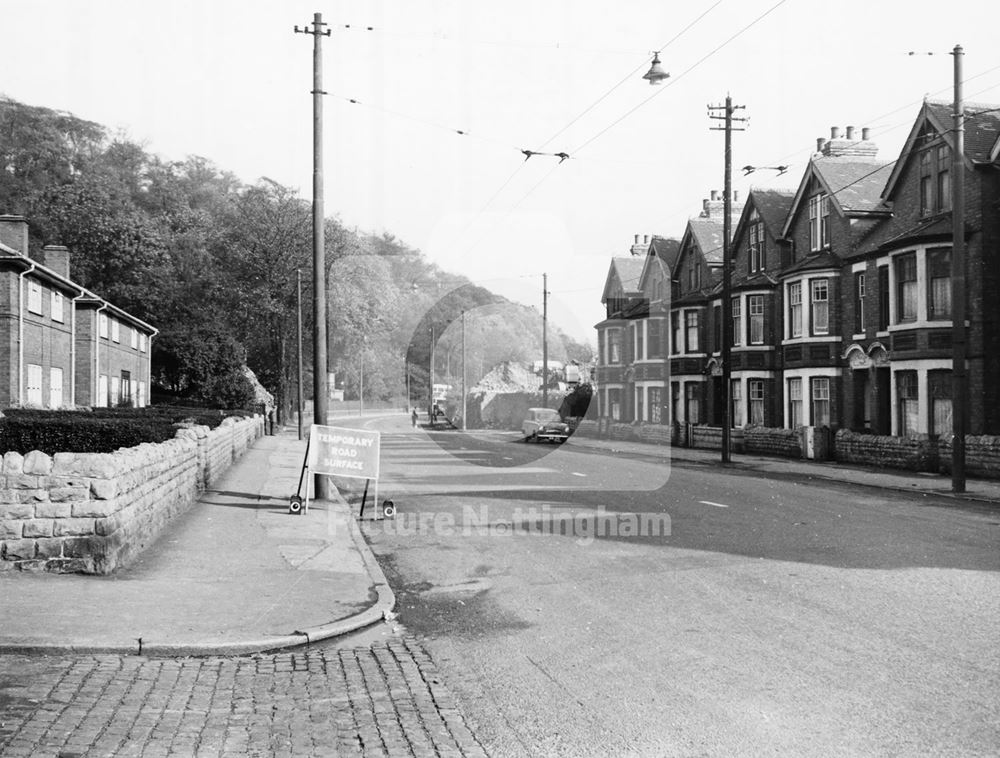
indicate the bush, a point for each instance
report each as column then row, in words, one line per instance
column 210, row 417
column 78, row 432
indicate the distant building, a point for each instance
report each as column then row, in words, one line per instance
column 61, row 345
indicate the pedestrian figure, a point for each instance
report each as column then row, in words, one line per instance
column 413, row 418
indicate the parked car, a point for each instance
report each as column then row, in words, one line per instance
column 544, row 425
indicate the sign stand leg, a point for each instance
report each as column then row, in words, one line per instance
column 364, row 499
column 306, row 472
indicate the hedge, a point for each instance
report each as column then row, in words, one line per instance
column 80, row 433
column 174, row 414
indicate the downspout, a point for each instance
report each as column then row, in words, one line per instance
column 97, row 352
column 72, row 349
column 149, row 366
column 20, row 333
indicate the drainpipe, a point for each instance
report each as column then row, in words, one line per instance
column 72, row 348
column 20, row 333
column 149, row 366
column 97, row 352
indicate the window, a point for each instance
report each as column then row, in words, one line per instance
column 116, row 334
column 943, row 179
column 819, row 222
column 859, row 302
column 639, row 393
column 56, row 302
column 694, row 277
column 820, row 306
column 102, row 325
column 640, row 342
column 142, row 343
column 926, row 184
column 102, row 391
column 140, row 395
column 691, row 324
column 736, row 394
column 615, row 343
column 675, row 328
column 692, row 402
column 939, row 388
column 795, row 309
column 135, row 338
column 757, row 402
column 906, row 392
column 737, row 323
column 675, row 401
column 883, row 298
column 33, row 388
column 34, row 296
column 655, row 404
column 126, row 396
column 794, row 403
column 906, row 287
column 602, row 342
column 654, row 338
column 615, row 404
column 116, row 388
column 55, row 388
column 756, row 242
column 755, row 306
column 938, row 284
column 821, row 401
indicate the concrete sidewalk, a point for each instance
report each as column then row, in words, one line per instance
column 981, row 490
column 235, row 574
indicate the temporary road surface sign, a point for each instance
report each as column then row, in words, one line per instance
column 343, row 452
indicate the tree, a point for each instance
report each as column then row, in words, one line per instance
column 204, row 365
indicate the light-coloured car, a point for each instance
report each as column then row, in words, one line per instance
column 544, row 424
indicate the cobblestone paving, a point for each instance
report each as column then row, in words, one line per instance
column 383, row 700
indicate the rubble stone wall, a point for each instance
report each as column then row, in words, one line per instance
column 92, row 512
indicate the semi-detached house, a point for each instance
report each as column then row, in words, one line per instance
column 62, row 345
column 841, row 293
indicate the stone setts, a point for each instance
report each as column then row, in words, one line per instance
column 93, row 512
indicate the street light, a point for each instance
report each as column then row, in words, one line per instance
column 656, row 74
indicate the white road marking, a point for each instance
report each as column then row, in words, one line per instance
column 575, row 473
column 709, row 502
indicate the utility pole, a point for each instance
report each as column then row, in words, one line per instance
column 958, row 332
column 545, row 340
column 430, row 383
column 727, row 303
column 464, row 427
column 298, row 334
column 320, row 367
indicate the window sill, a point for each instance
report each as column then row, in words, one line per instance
column 817, row 338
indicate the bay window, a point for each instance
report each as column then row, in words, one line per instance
column 737, row 323
column 821, row 401
column 794, row 403
column 691, row 326
column 755, row 306
column 757, row 402
column 820, row 299
column 795, row 309
column 906, row 287
column 938, row 284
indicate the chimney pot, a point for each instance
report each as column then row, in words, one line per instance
column 635, row 240
column 850, row 132
column 645, row 239
column 865, row 131
column 715, row 194
column 834, row 132
column 820, row 143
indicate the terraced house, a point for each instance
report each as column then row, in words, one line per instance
column 62, row 345
column 841, row 293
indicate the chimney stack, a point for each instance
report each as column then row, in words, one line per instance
column 14, row 233
column 638, row 248
column 56, row 257
column 836, row 147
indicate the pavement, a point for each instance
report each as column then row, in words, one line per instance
column 235, row 574
column 238, row 574
column 937, row 485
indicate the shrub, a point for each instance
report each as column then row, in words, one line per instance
column 77, row 432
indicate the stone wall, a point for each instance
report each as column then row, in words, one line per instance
column 785, row 443
column 92, row 512
column 917, row 453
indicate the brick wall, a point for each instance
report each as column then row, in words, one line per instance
column 786, row 443
column 92, row 512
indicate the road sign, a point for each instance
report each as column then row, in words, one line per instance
column 343, row 452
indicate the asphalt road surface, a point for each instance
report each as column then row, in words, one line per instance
column 580, row 602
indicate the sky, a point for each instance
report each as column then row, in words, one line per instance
column 229, row 80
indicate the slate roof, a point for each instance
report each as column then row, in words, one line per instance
column 982, row 126
column 822, row 260
column 707, row 233
column 628, row 270
column 855, row 185
column 667, row 250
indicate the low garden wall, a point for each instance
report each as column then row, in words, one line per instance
column 92, row 512
column 784, row 443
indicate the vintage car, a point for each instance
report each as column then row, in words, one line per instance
column 544, row 425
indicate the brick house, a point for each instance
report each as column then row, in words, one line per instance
column 759, row 254
column 62, row 345
column 896, row 322
column 695, row 318
column 838, row 203
column 620, row 298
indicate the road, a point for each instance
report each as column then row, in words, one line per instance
column 761, row 616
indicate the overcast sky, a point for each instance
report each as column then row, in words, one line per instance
column 229, row 80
